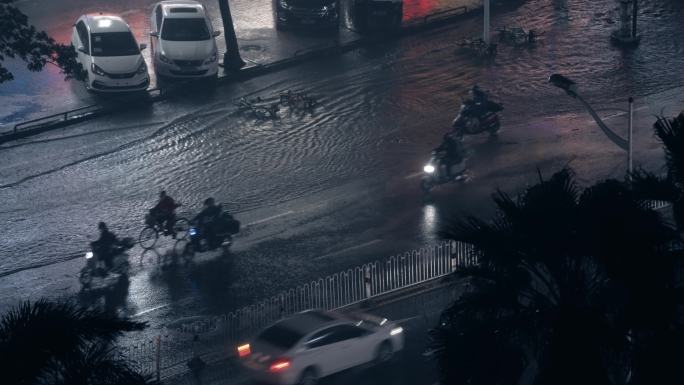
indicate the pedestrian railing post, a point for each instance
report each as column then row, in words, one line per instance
column 158, row 364
column 367, row 280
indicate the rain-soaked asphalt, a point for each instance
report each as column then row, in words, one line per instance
column 339, row 187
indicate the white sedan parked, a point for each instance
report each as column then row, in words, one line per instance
column 110, row 55
column 314, row 344
column 182, row 40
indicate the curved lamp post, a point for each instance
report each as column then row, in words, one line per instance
column 570, row 87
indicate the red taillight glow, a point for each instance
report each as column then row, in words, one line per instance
column 279, row 366
column 243, row 350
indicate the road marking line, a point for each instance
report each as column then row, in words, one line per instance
column 270, row 218
column 403, row 320
column 415, row 174
column 149, row 310
column 349, row 248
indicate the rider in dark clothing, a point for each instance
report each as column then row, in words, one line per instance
column 103, row 246
column 206, row 219
column 478, row 101
column 452, row 153
column 165, row 213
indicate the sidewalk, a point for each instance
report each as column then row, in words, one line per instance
column 417, row 309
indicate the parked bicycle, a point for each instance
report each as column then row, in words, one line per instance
column 266, row 112
column 298, row 100
column 245, row 104
column 150, row 234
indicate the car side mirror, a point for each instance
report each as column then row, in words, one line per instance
column 154, row 34
column 216, row 33
column 143, row 46
column 81, row 49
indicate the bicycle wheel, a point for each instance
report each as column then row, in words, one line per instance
column 181, row 227
column 148, row 237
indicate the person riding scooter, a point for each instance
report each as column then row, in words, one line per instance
column 451, row 153
column 104, row 247
column 206, row 221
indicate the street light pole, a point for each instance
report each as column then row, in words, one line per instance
column 570, row 87
column 629, row 136
column 231, row 58
column 485, row 35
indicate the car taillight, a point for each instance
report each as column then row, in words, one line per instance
column 279, row 365
column 244, row 350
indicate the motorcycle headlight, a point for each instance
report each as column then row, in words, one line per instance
column 142, row 69
column 283, row 4
column 429, row 168
column 97, row 70
column 165, row 59
column 89, row 255
column 211, row 59
column 192, row 231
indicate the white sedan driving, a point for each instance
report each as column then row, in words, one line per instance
column 314, row 344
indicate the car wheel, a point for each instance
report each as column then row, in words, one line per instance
column 384, row 353
column 309, row 377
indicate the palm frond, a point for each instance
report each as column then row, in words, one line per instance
column 671, row 134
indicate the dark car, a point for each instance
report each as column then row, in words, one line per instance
column 307, row 13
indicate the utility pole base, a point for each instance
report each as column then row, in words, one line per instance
column 231, row 62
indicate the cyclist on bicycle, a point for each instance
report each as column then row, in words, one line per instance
column 164, row 212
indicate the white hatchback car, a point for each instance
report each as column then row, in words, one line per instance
column 314, row 344
column 182, row 40
column 110, row 55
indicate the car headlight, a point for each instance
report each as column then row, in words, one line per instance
column 429, row 168
column 211, row 59
column 142, row 69
column 283, row 4
column 165, row 59
column 97, row 70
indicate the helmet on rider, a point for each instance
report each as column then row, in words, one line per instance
column 209, row 201
column 102, row 226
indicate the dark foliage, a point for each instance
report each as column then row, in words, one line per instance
column 60, row 343
column 571, row 288
column 670, row 188
column 19, row 39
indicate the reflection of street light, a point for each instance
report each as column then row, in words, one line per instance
column 231, row 58
column 570, row 87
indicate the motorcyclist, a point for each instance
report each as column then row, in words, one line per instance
column 103, row 247
column 451, row 153
column 164, row 212
column 206, row 220
column 478, row 101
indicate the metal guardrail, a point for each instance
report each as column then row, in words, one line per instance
column 54, row 118
column 447, row 13
column 335, row 291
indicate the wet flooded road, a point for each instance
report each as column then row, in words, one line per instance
column 311, row 188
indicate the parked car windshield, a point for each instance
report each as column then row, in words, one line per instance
column 114, row 44
column 280, row 336
column 185, row 30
